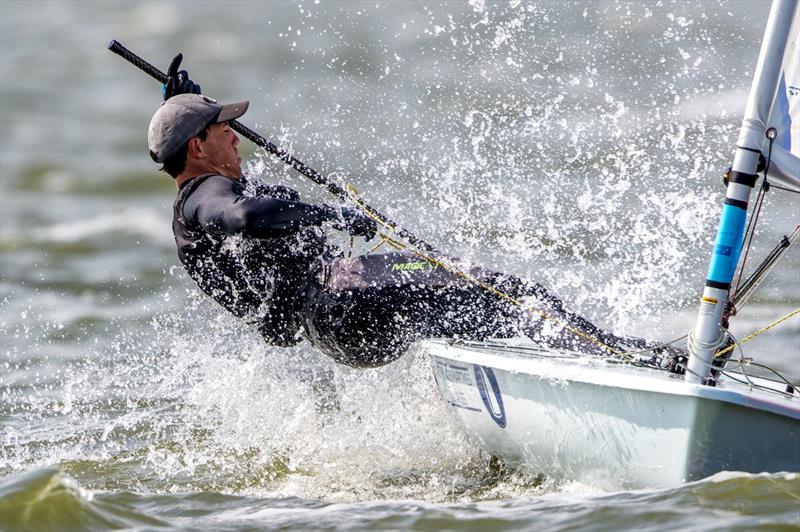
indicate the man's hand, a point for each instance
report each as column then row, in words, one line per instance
column 178, row 82
column 358, row 223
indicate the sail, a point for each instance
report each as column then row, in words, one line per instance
column 785, row 112
column 785, row 115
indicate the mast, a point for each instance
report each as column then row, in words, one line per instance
column 708, row 333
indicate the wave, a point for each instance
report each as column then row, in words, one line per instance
column 149, row 223
column 47, row 499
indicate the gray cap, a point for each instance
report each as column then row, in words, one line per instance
column 183, row 117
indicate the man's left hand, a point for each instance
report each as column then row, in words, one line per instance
column 178, row 82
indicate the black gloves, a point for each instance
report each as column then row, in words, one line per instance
column 357, row 223
column 178, row 82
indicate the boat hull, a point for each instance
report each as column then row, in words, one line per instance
column 611, row 425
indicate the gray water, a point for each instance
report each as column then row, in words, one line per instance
column 578, row 144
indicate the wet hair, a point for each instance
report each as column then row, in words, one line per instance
column 175, row 163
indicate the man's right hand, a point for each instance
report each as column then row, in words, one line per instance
column 178, row 82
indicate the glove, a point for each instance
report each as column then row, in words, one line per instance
column 178, row 82
column 358, row 223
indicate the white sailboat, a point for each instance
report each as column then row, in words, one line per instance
column 617, row 425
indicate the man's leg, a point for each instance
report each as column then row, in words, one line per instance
column 366, row 311
column 544, row 318
column 369, row 309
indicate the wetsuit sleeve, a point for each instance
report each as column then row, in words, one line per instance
column 274, row 191
column 219, row 206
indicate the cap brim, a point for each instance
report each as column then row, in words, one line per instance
column 232, row 111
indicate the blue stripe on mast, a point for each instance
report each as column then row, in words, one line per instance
column 728, row 244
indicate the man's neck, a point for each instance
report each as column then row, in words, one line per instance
column 191, row 172
column 184, row 177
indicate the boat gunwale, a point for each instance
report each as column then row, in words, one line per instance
column 601, row 372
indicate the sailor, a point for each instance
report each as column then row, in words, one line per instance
column 262, row 253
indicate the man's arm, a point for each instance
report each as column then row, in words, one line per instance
column 220, row 208
column 268, row 189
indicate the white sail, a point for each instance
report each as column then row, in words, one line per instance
column 785, row 113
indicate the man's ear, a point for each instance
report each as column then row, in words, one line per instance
column 195, row 148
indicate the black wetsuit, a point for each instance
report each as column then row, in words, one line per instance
column 261, row 253
column 252, row 247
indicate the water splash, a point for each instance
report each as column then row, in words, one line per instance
column 528, row 137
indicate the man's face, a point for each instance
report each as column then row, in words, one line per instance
column 221, row 149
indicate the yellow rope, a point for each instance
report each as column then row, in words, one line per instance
column 758, row 332
column 386, row 239
column 356, row 197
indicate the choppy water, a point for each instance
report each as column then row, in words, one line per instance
column 578, row 144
